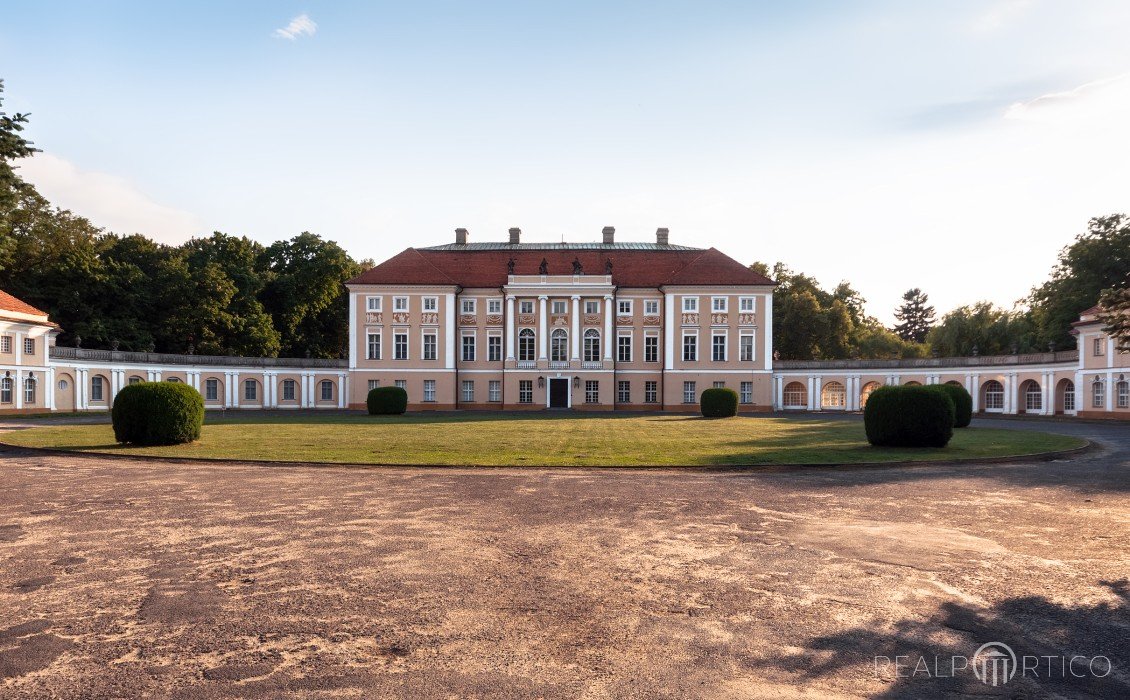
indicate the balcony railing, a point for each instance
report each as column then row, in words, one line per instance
column 1035, row 358
column 527, row 364
column 160, row 358
column 592, row 365
column 559, row 364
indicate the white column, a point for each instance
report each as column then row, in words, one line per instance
column 227, row 389
column 779, row 394
column 811, row 402
column 543, row 331
column 149, row 375
column 352, row 332
column 157, row 375
column 975, row 392
column 49, row 391
column 449, row 332
column 1079, row 393
column 575, row 353
column 509, row 327
column 1109, row 393
column 19, row 388
column 340, row 390
column 1047, row 395
column 19, row 349
column 608, row 339
column 1008, row 398
column 768, row 325
column 668, row 331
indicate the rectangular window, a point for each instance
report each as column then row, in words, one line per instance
column 134, row 380
column 592, row 306
column 468, row 306
column 374, row 384
column 746, row 347
column 624, row 348
column 651, row 392
column 651, row 307
column 1098, row 395
column 288, row 390
column 526, row 307
column 211, row 390
column 494, row 348
column 719, row 304
column 690, row 347
column 431, row 303
column 719, row 385
column 250, row 390
column 430, row 346
column 29, row 346
column 689, row 392
column 468, row 390
column 559, row 306
column 494, row 306
column 400, row 303
column 746, row 394
column 624, row 307
column 1123, row 394
column 624, row 392
column 526, row 391
column 400, row 345
column 6, row 390
column 430, row 390
column 29, row 391
column 5, row 343
column 1100, row 347
column 745, row 305
column 651, row 348
column 690, row 305
column 402, row 384
column 373, row 303
column 373, row 346
column 718, row 348
column 327, row 390
column 468, row 348
column 494, row 390
column 95, row 389
column 525, row 345
column 592, row 391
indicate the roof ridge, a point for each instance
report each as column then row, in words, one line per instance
column 432, row 265
column 690, row 262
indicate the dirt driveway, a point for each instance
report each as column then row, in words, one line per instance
column 128, row 579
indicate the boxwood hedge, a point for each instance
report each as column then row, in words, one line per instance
column 962, row 401
column 157, row 413
column 385, row 400
column 719, row 403
column 909, row 416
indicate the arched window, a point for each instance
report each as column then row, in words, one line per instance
column 559, row 345
column 795, row 395
column 250, row 390
column 994, row 395
column 526, row 344
column 866, row 392
column 1098, row 395
column 327, row 388
column 173, row 380
column 592, row 345
column 1123, row 394
column 1069, row 395
column 135, row 380
column 288, row 390
column 913, row 383
column 29, row 391
column 953, row 383
column 1033, row 398
column 833, row 395
column 5, row 390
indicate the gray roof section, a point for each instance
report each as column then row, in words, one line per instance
column 558, row 246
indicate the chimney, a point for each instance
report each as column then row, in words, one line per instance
column 662, row 236
column 515, row 236
column 608, row 232
column 460, row 236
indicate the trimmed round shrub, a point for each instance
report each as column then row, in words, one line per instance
column 387, row 400
column 909, row 416
column 962, row 402
column 157, row 413
column 719, row 403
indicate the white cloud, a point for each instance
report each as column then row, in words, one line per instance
column 1098, row 92
column 998, row 15
column 300, row 26
column 107, row 200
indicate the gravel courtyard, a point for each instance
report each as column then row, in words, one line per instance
column 156, row 579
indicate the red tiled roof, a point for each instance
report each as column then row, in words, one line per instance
column 11, row 304
column 630, row 268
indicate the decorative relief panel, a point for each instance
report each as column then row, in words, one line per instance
column 651, row 321
column 494, row 320
column 748, row 319
column 429, row 319
column 400, row 318
column 624, row 320
column 559, row 321
column 592, row 319
column 526, row 319
column 374, row 317
column 690, row 319
column 467, row 320
column 719, row 319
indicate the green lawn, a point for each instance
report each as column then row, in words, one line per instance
column 558, row 440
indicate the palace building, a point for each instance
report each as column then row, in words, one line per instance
column 551, row 326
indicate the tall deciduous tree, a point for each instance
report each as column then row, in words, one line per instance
column 915, row 316
column 981, row 328
column 1115, row 315
column 13, row 146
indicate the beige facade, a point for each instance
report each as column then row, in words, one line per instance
column 25, row 369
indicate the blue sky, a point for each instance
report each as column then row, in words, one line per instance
column 879, row 142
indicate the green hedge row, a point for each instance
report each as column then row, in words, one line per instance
column 157, row 413
column 387, row 400
column 909, row 416
column 719, row 403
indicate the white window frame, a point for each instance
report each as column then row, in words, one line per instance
column 29, row 346
column 401, row 384
column 526, row 306
column 746, row 394
column 424, row 334
column 690, row 392
column 559, row 306
column 250, row 390
column 525, row 391
column 430, row 304
column 211, row 389
column 747, row 305
column 399, row 304
column 29, row 391
column 494, row 391
column 467, row 391
column 619, row 346
column 651, row 342
column 494, row 306
column 467, row 307
column 463, row 346
column 494, row 346
column 401, row 333
column 651, row 391
column 374, row 384
column 373, row 304
column 98, row 395
column 725, row 345
column 623, row 391
column 6, row 344
column 690, row 305
column 592, row 306
column 527, row 341
column 722, row 308
column 369, row 345
column 683, row 346
column 289, row 386
column 590, row 334
column 650, row 307
column 743, row 346
column 1098, row 394
column 429, row 391
column 1122, row 389
column 1069, row 397
column 1033, row 400
column 624, row 307
column 1100, row 347
column 558, row 350
column 592, row 391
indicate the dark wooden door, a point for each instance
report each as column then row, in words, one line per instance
column 558, row 393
